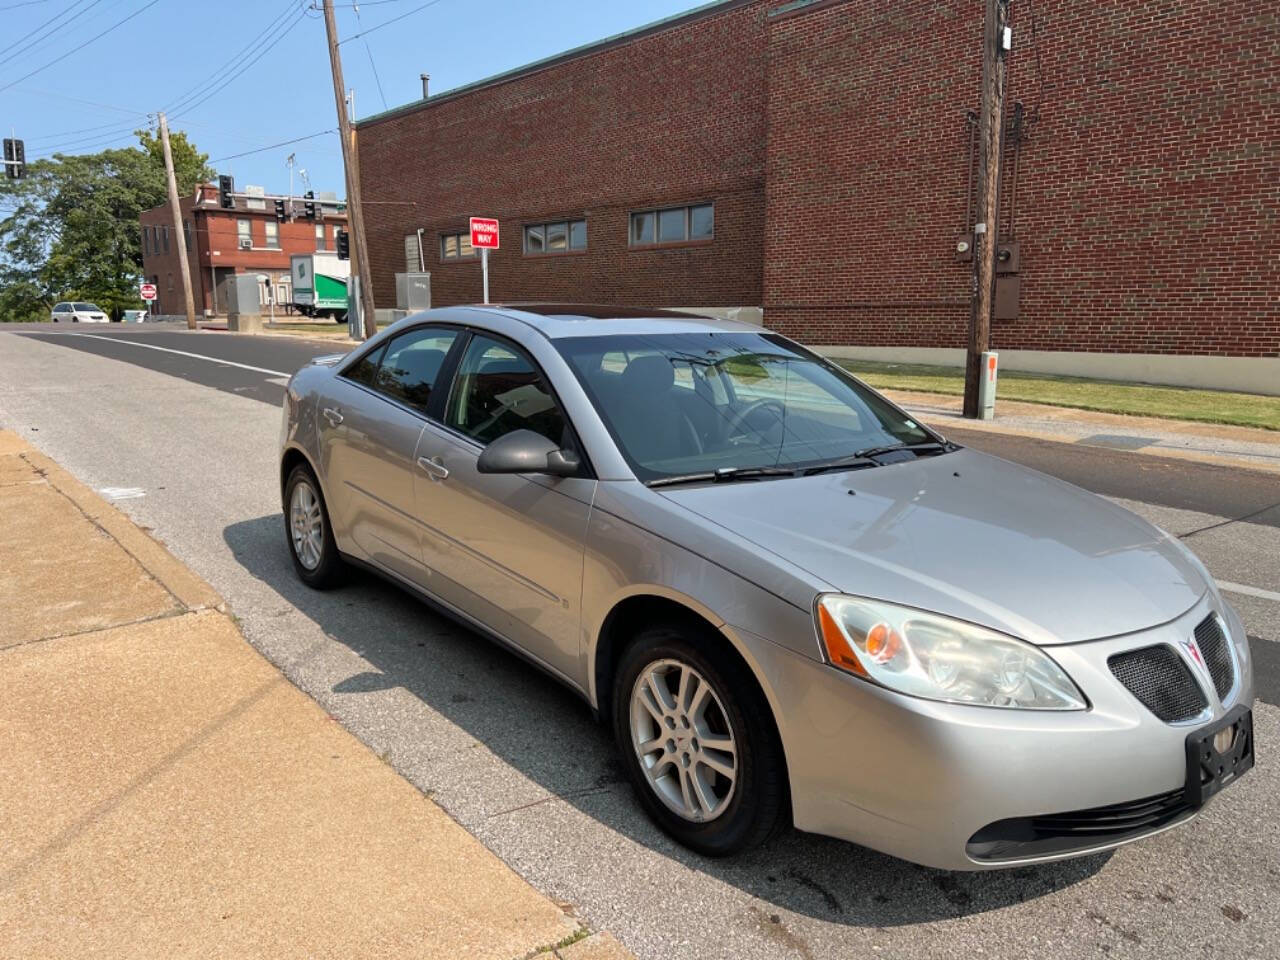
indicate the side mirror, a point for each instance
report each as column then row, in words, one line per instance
column 523, row 451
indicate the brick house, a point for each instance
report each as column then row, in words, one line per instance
column 223, row 242
column 812, row 162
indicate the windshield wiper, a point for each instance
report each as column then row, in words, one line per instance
column 725, row 475
column 855, row 462
column 924, row 446
column 866, row 458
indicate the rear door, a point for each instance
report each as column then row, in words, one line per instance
column 505, row 548
column 371, row 419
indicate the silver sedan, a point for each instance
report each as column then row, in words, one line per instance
column 789, row 601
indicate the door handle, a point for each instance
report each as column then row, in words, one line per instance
column 433, row 467
column 333, row 416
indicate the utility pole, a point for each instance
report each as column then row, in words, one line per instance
column 995, row 49
column 180, row 237
column 351, row 161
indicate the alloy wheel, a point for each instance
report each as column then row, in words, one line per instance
column 306, row 525
column 683, row 740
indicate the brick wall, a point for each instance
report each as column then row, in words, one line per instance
column 1148, row 201
column 832, row 137
column 670, row 118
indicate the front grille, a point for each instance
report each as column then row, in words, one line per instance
column 1217, row 657
column 1161, row 681
column 1078, row 830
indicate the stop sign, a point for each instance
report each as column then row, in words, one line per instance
column 147, row 291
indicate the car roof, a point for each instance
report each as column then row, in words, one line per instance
column 558, row 320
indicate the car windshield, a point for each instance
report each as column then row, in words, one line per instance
column 87, row 308
column 691, row 403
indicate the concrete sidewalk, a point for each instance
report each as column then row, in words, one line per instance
column 1183, row 439
column 166, row 792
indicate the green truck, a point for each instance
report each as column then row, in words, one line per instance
column 320, row 285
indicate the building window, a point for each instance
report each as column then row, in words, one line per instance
column 244, row 233
column 673, row 225
column 560, row 237
column 273, row 235
column 320, row 236
column 171, row 282
column 456, row 246
column 186, row 233
column 146, row 241
column 164, row 236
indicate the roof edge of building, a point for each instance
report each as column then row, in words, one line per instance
column 706, row 10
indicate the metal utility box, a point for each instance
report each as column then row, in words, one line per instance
column 1008, row 291
column 413, row 291
column 242, row 294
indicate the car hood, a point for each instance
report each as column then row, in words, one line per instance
column 969, row 536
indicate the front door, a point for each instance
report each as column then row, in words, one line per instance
column 370, row 421
column 505, row 548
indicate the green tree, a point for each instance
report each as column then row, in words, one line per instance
column 70, row 228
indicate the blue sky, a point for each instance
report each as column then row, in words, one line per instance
column 89, row 98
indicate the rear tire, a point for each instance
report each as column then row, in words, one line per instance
column 706, row 766
column 308, row 532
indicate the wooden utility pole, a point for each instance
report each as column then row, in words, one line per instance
column 180, row 237
column 986, row 231
column 351, row 161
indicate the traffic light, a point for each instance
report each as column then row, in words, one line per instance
column 225, row 186
column 310, row 206
column 15, row 157
column 279, row 209
column 344, row 245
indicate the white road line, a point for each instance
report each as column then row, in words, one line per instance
column 1249, row 591
column 181, row 353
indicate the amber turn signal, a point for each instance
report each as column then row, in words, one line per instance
column 838, row 647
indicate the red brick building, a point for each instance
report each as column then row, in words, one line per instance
column 223, row 242
column 832, row 143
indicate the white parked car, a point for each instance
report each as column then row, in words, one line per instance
column 133, row 316
column 79, row 312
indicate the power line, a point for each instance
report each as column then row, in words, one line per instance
column 387, row 23
column 264, row 45
column 77, row 49
column 89, row 103
column 24, row 3
column 369, row 50
column 273, row 146
column 57, row 16
column 233, row 61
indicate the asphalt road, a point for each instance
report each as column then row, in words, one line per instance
column 520, row 762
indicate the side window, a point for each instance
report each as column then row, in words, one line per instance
column 411, row 363
column 498, row 390
column 366, row 367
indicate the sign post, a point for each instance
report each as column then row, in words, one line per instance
column 484, row 237
column 147, row 291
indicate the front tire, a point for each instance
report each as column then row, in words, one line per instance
column 697, row 740
column 308, row 531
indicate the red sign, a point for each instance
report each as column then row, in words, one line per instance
column 147, row 291
column 484, row 233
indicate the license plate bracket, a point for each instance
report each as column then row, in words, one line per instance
column 1210, row 770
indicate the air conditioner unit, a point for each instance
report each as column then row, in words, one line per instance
column 246, row 243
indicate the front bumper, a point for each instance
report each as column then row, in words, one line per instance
column 918, row 779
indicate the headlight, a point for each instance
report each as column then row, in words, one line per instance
column 925, row 655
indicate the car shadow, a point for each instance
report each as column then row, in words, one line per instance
column 481, row 688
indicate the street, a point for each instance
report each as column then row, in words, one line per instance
column 183, row 428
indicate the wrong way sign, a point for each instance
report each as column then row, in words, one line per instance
column 484, row 233
column 147, row 291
